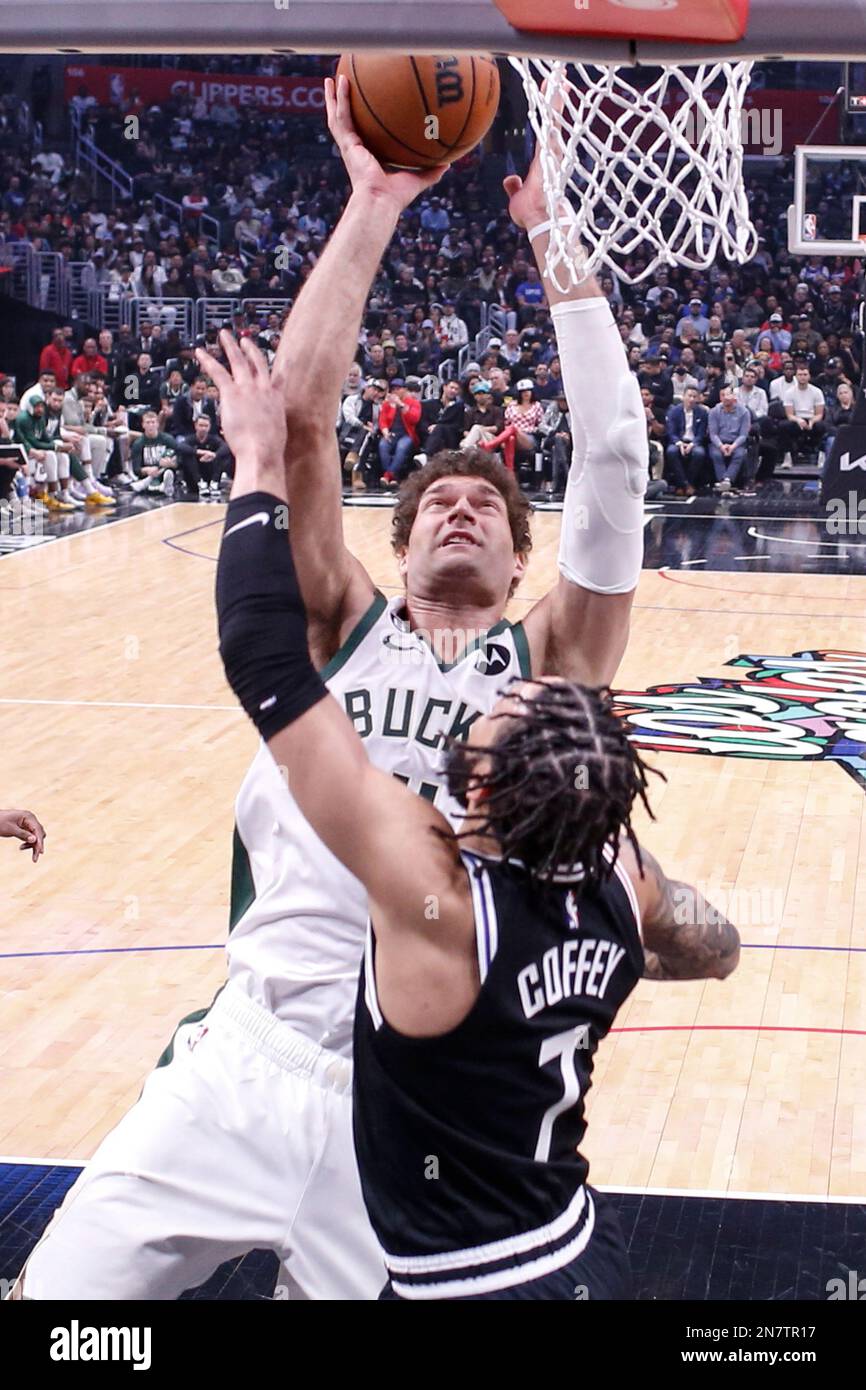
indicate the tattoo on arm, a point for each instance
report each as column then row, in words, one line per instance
column 688, row 938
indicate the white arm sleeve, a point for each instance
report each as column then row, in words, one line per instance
column 602, row 541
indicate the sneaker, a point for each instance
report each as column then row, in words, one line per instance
column 787, row 462
column 121, row 480
column 215, row 490
column 358, row 484
column 55, row 503
column 202, row 488
column 140, row 484
column 76, row 492
column 67, row 497
column 168, row 482
column 98, row 499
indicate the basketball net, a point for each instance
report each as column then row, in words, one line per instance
column 656, row 171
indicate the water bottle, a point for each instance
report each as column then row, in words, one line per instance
column 21, row 488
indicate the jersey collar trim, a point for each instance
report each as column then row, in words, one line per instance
column 402, row 624
column 355, row 637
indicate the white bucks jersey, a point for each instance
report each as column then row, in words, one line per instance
column 298, row 916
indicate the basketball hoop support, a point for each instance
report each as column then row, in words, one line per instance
column 798, row 244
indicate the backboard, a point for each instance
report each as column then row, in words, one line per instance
column 855, row 88
column 776, row 28
column 828, row 214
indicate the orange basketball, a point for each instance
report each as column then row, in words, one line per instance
column 418, row 112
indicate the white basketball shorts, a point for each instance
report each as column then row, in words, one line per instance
column 243, row 1141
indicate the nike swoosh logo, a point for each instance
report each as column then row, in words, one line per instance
column 247, row 521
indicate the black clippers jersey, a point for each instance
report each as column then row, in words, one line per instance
column 467, row 1143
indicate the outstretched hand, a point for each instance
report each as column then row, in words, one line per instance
column 365, row 172
column 23, row 825
column 527, row 204
column 252, row 414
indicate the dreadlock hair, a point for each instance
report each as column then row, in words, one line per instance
column 561, row 782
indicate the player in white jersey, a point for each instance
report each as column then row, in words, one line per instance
column 402, row 700
column 243, row 1139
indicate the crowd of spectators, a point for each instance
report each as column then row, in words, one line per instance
column 117, row 414
column 743, row 370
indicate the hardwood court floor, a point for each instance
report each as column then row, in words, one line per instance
column 121, row 734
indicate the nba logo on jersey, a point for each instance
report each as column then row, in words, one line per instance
column 571, row 911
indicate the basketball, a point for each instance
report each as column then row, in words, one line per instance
column 424, row 111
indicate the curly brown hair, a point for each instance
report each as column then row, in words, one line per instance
column 462, row 463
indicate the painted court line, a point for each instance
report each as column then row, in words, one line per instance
column 106, row 524
column 794, row 540
column 813, row 1197
column 737, row 1028
column 171, row 541
column 13, row 1160
column 110, row 950
column 118, row 704
column 219, row 946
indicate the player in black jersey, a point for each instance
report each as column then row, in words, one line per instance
column 496, row 959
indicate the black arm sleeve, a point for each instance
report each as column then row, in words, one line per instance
column 261, row 616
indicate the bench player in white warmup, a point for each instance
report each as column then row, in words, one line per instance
column 243, row 1139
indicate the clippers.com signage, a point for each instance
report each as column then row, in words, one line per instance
column 132, row 87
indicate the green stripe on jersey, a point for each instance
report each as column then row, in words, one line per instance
column 195, row 1017
column 521, row 646
column 243, row 890
column 355, row 637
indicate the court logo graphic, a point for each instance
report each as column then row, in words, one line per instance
column 810, row 706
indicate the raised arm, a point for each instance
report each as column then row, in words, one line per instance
column 397, row 843
column 315, row 351
column 685, row 937
column 580, row 628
